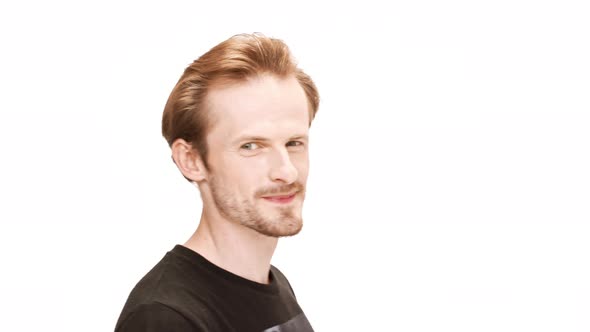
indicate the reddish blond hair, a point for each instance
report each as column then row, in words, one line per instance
column 232, row 61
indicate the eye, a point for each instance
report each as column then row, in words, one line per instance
column 295, row 143
column 249, row 146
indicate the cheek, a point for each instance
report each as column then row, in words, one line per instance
column 247, row 181
column 302, row 165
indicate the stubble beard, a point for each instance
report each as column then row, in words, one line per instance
column 247, row 213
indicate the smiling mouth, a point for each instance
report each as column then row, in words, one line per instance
column 281, row 199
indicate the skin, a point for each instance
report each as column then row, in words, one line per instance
column 239, row 228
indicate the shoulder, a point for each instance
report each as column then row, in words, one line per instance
column 152, row 317
column 170, row 297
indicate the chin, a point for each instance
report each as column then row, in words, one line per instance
column 291, row 231
column 286, row 228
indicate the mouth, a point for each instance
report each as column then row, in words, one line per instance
column 282, row 199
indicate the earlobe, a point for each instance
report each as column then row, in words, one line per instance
column 188, row 160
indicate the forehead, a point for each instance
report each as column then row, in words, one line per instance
column 264, row 106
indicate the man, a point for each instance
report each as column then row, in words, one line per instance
column 237, row 122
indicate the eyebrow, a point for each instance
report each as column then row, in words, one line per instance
column 264, row 139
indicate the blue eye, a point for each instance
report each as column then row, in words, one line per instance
column 248, row 146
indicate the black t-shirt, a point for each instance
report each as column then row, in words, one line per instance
column 186, row 292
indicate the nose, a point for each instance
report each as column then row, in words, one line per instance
column 283, row 169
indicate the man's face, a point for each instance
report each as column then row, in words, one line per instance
column 258, row 148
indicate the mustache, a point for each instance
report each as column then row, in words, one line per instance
column 295, row 186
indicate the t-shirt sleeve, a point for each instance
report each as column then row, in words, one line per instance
column 156, row 317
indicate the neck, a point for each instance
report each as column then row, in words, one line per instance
column 233, row 247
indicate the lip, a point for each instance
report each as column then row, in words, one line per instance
column 281, row 198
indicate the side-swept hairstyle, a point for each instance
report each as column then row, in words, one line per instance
column 233, row 61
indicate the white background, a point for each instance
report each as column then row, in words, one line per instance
column 449, row 186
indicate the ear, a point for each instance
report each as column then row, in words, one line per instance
column 188, row 161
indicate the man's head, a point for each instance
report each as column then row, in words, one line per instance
column 237, row 122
